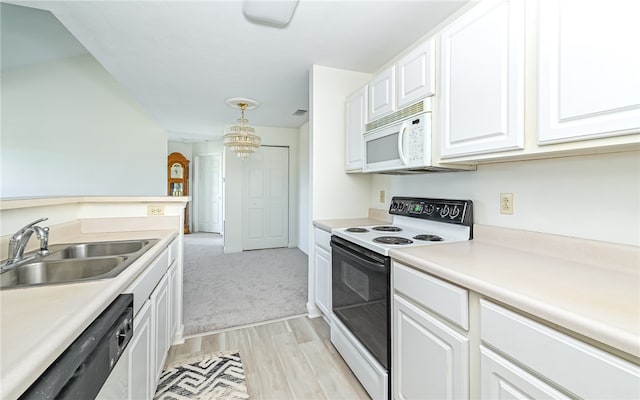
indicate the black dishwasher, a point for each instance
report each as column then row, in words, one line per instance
column 85, row 365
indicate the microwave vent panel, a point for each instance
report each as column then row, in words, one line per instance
column 399, row 115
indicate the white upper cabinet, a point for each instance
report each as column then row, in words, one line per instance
column 482, row 80
column 589, row 69
column 356, row 116
column 382, row 94
column 416, row 74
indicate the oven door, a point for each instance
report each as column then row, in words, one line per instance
column 360, row 294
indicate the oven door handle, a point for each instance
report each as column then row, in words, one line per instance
column 373, row 265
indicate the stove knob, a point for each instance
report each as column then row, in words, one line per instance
column 400, row 206
column 429, row 209
column 444, row 211
column 455, row 212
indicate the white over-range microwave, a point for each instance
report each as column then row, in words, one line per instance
column 401, row 146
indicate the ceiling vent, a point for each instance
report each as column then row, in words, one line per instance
column 299, row 112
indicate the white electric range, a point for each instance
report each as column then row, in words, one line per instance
column 361, row 271
column 416, row 222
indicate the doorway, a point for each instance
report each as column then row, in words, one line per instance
column 209, row 193
column 265, row 194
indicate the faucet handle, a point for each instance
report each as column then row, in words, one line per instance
column 24, row 228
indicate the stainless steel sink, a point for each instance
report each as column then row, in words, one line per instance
column 76, row 262
column 100, row 249
column 57, row 271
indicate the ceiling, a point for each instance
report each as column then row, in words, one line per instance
column 181, row 59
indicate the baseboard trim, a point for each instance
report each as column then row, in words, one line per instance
column 178, row 338
column 313, row 311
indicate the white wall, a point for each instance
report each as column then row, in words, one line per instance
column 304, row 219
column 271, row 136
column 334, row 194
column 592, row 197
column 68, row 128
column 186, row 149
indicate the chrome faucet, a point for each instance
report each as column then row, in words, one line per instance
column 19, row 241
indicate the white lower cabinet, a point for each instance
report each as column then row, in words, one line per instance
column 160, row 319
column 174, row 302
column 141, row 382
column 322, row 261
column 430, row 359
column 564, row 362
column 501, row 379
column 323, row 274
column 156, row 322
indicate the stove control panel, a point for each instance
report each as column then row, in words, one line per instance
column 449, row 211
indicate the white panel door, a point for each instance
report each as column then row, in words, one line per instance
column 382, row 94
column 356, row 115
column 589, row 66
column 265, row 188
column 482, row 80
column 209, row 205
column 430, row 359
column 416, row 74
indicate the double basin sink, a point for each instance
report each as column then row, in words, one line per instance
column 77, row 262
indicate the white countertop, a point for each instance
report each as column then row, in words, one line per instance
column 588, row 287
column 39, row 323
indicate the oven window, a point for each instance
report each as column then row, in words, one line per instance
column 360, row 294
column 383, row 149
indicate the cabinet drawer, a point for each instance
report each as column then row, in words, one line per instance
column 147, row 281
column 323, row 238
column 582, row 369
column 449, row 301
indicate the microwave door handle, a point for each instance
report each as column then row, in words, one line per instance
column 403, row 128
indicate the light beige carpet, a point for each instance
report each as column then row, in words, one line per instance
column 228, row 290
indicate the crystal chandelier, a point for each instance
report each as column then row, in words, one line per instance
column 241, row 138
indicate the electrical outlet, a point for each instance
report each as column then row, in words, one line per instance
column 155, row 210
column 382, row 196
column 506, row 203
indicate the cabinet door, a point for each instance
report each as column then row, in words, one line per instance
column 416, row 74
column 382, row 94
column 141, row 377
column 356, row 115
column 500, row 379
column 173, row 301
column 430, row 359
column 160, row 309
column 589, row 63
column 482, row 80
column 323, row 279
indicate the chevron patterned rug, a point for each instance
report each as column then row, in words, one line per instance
column 217, row 376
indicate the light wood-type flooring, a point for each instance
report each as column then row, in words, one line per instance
column 291, row 359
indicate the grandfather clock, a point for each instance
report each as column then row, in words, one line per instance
column 178, row 181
